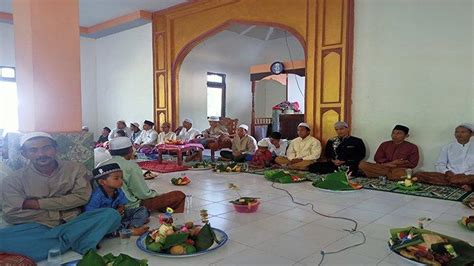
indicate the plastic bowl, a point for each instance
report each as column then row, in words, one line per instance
column 247, row 208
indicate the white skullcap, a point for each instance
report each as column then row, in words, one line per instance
column 244, row 126
column 33, row 135
column 119, row 143
column 188, row 120
column 121, row 121
column 262, row 143
column 135, row 124
column 85, row 128
column 340, row 124
column 101, row 155
column 304, row 125
column 213, row 119
column 468, row 126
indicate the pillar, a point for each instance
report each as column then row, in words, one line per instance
column 47, row 51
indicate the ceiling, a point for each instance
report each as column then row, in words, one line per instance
column 263, row 33
column 92, row 12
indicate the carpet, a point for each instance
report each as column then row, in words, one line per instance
column 426, row 190
column 163, row 167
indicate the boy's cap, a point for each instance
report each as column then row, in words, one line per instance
column 119, row 143
column 104, row 170
column 262, row 143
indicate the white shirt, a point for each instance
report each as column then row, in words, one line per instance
column 188, row 135
column 163, row 137
column 280, row 151
column 456, row 158
column 147, row 137
column 308, row 149
column 113, row 133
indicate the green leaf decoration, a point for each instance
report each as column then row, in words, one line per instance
column 126, row 260
column 335, row 181
column 205, row 238
column 175, row 239
column 91, row 258
column 155, row 246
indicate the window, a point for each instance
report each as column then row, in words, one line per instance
column 215, row 94
column 8, row 100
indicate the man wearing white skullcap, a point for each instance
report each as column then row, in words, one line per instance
column 134, row 185
column 242, row 145
column 49, row 193
column 135, row 131
column 455, row 165
column 303, row 151
column 187, row 132
column 121, row 125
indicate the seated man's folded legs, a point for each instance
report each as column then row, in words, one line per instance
column 373, row 169
column 174, row 199
column 432, row 178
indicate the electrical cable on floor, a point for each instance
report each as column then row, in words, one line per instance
column 352, row 231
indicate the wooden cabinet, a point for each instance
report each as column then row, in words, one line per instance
column 289, row 124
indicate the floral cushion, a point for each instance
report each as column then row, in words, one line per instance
column 75, row 146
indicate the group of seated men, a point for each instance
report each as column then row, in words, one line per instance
column 44, row 200
column 454, row 167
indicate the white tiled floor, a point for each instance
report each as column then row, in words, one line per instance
column 281, row 233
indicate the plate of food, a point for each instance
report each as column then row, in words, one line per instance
column 181, row 241
column 408, row 184
column 424, row 247
column 200, row 166
column 232, row 168
column 180, row 181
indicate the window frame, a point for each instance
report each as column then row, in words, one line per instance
column 8, row 79
column 218, row 85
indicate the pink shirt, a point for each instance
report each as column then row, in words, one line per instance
column 389, row 151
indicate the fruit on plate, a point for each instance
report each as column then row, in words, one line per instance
column 181, row 181
column 429, row 247
column 233, row 167
column 203, row 164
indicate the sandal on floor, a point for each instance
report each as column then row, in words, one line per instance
column 149, row 175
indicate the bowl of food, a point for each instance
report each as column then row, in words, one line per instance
column 246, row 204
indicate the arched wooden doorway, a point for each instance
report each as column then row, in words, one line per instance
column 324, row 27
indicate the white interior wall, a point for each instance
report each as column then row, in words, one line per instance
column 296, row 90
column 230, row 53
column 88, row 85
column 124, row 74
column 413, row 64
column 225, row 52
column 7, row 45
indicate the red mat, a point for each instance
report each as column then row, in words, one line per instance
column 163, row 167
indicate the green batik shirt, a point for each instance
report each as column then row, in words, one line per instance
column 134, row 185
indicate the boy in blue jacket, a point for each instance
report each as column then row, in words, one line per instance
column 109, row 195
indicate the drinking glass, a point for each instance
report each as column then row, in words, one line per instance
column 409, row 172
column 125, row 235
column 189, row 203
column 54, row 257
